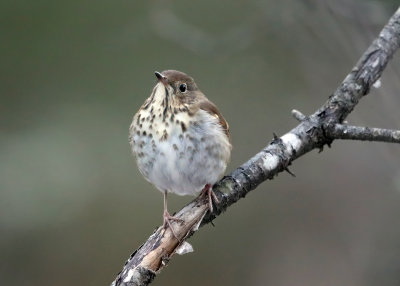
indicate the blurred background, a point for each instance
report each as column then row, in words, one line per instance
column 73, row 205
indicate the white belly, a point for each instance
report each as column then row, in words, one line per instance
column 185, row 162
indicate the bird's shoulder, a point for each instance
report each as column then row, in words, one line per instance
column 212, row 109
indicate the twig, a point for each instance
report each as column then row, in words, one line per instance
column 298, row 115
column 149, row 259
column 340, row 131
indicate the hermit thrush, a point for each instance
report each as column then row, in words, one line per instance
column 180, row 139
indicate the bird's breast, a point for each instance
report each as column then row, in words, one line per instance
column 179, row 152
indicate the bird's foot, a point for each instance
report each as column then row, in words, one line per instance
column 207, row 192
column 167, row 218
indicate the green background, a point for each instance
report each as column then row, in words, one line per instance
column 73, row 205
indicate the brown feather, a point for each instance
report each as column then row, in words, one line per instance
column 210, row 107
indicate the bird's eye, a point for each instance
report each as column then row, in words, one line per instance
column 183, row 87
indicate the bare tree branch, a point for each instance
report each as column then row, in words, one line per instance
column 340, row 131
column 154, row 254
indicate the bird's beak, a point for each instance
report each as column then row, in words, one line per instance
column 161, row 78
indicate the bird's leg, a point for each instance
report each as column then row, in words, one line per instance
column 207, row 191
column 167, row 217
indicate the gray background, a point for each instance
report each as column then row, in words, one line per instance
column 73, row 205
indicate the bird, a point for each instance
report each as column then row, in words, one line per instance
column 180, row 140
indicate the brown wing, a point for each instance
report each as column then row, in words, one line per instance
column 210, row 107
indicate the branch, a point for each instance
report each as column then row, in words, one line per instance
column 147, row 261
column 340, row 131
